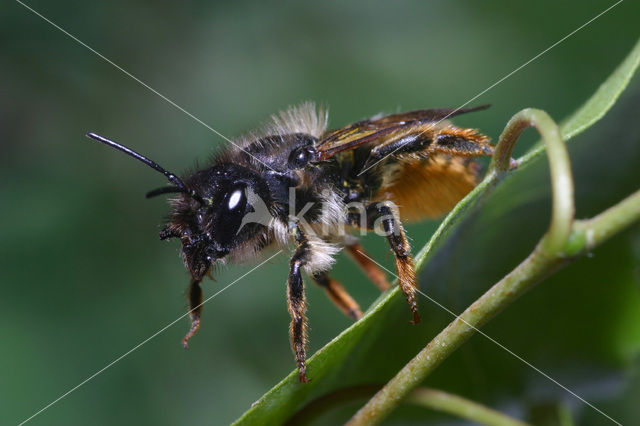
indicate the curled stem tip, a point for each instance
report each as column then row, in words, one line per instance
column 544, row 259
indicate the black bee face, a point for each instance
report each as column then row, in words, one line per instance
column 210, row 225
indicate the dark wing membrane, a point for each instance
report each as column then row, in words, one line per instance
column 362, row 132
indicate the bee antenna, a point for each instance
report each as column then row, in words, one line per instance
column 163, row 190
column 179, row 185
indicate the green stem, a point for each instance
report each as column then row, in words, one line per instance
column 562, row 239
column 460, row 407
column 561, row 179
column 425, row 397
column 590, row 232
column 537, row 266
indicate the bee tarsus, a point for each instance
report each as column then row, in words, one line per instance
column 195, row 307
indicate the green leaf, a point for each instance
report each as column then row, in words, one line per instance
column 464, row 257
column 598, row 104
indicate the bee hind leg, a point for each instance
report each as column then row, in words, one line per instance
column 423, row 140
column 338, row 295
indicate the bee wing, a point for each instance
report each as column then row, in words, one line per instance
column 366, row 131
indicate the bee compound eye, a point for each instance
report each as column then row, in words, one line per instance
column 229, row 217
column 299, row 157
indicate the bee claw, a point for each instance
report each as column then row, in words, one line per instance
column 303, row 378
column 195, row 325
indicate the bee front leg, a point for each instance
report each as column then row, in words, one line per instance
column 297, row 304
column 195, row 307
column 402, row 251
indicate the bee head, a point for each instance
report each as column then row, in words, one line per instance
column 208, row 210
column 213, row 223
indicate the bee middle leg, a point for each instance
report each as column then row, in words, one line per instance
column 402, row 251
column 375, row 273
column 338, row 295
column 389, row 219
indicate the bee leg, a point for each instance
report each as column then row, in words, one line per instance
column 297, row 304
column 404, row 262
column 450, row 140
column 462, row 142
column 370, row 268
column 338, row 295
column 406, row 145
column 195, row 307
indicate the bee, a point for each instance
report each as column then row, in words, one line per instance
column 298, row 186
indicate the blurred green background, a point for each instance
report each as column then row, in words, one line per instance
column 84, row 278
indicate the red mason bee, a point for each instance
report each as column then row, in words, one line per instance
column 376, row 172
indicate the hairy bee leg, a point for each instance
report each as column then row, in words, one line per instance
column 338, row 295
column 448, row 140
column 406, row 145
column 195, row 307
column 402, row 252
column 297, row 304
column 371, row 270
column 462, row 142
